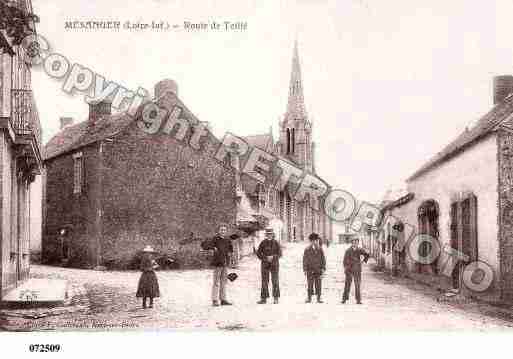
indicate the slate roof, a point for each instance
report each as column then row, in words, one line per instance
column 499, row 114
column 82, row 134
column 262, row 142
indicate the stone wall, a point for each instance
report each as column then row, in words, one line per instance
column 75, row 212
column 505, row 157
column 159, row 191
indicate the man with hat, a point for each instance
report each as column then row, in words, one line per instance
column 314, row 266
column 269, row 253
column 353, row 269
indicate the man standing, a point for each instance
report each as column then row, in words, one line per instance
column 314, row 266
column 353, row 269
column 223, row 250
column 269, row 253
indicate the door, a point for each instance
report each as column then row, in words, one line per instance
column 428, row 217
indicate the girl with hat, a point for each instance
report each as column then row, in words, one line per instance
column 148, row 286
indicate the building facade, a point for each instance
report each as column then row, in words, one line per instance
column 112, row 188
column 462, row 197
column 20, row 144
column 297, row 219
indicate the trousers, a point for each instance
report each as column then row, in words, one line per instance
column 347, row 286
column 273, row 272
column 314, row 280
column 219, row 283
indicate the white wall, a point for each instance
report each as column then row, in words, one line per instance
column 475, row 170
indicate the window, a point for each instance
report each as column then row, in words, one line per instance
column 282, row 205
column 291, row 141
column 288, row 141
column 78, row 173
column 463, row 228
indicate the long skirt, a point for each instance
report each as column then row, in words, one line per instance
column 148, row 285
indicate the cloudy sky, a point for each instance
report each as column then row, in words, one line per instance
column 387, row 83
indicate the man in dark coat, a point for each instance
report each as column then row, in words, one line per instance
column 353, row 269
column 314, row 266
column 269, row 253
column 223, row 250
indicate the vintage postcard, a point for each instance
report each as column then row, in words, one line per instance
column 255, row 166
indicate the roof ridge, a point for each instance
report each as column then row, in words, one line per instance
column 487, row 123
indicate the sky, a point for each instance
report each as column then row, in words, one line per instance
column 386, row 84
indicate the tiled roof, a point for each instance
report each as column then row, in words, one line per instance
column 486, row 124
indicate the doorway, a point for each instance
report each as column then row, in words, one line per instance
column 428, row 218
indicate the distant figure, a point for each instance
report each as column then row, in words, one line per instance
column 223, row 250
column 148, row 286
column 353, row 269
column 269, row 253
column 314, row 266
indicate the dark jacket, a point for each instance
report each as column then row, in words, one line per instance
column 269, row 248
column 314, row 260
column 222, row 247
column 147, row 264
column 352, row 259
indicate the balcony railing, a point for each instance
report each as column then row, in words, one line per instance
column 24, row 116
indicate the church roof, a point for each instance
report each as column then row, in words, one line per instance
column 496, row 117
column 263, row 141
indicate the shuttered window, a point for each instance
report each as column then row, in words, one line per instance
column 469, row 227
column 454, row 225
column 463, row 228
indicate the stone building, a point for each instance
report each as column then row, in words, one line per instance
column 463, row 196
column 20, row 144
column 111, row 188
column 295, row 145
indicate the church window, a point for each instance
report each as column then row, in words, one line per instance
column 288, row 141
column 282, row 204
column 293, row 140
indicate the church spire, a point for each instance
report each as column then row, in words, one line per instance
column 296, row 104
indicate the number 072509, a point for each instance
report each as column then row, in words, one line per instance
column 43, row 348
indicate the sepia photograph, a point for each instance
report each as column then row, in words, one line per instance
column 174, row 168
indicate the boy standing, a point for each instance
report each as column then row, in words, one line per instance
column 314, row 266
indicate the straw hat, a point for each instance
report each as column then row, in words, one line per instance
column 148, row 249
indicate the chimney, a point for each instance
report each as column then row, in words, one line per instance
column 502, row 87
column 164, row 86
column 66, row 121
column 100, row 109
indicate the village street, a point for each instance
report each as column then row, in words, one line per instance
column 108, row 302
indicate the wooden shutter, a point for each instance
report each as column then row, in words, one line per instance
column 454, row 225
column 469, row 227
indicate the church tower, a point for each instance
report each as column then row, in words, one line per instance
column 295, row 128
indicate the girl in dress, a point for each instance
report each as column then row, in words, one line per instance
column 148, row 284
